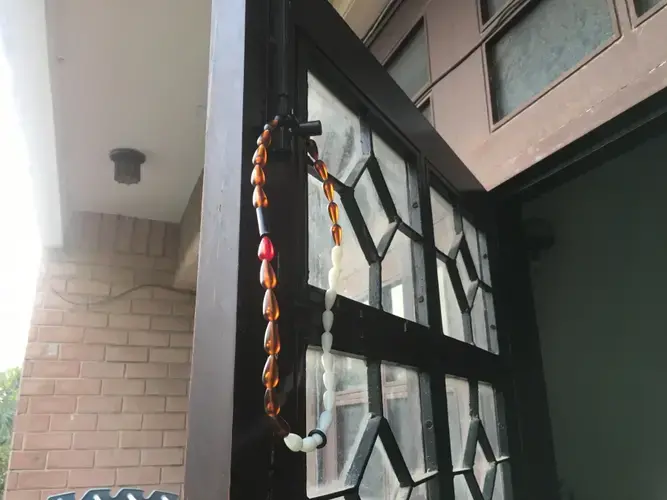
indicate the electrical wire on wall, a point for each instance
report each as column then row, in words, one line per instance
column 106, row 300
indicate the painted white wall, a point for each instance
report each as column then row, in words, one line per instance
column 601, row 302
column 23, row 41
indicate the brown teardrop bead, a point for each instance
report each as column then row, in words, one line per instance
column 270, row 306
column 270, row 403
column 260, row 156
column 280, row 427
column 270, row 374
column 267, row 276
column 321, row 169
column 264, row 138
column 272, row 339
column 328, row 188
column 333, row 212
column 337, row 233
column 258, row 178
column 259, row 198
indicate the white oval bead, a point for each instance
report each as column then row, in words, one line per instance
column 329, row 380
column 326, row 417
column 328, row 398
column 327, row 341
column 309, row 444
column 293, row 442
column 330, row 298
column 334, row 277
column 337, row 256
column 327, row 320
column 327, row 361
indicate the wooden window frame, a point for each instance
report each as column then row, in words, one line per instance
column 507, row 25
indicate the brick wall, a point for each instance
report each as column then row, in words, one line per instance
column 103, row 398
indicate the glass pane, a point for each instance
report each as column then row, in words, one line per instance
column 340, row 142
column 452, row 319
column 490, row 8
column 403, row 412
column 643, row 6
column 394, row 170
column 409, row 67
column 420, row 492
column 480, row 467
column 549, row 40
column 325, row 466
column 461, row 490
column 484, row 331
column 458, row 410
column 503, row 487
column 477, row 244
column 443, row 222
column 492, row 419
column 379, row 481
column 354, row 280
column 370, row 207
column 398, row 278
column 463, row 273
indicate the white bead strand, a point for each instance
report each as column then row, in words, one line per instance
column 317, row 436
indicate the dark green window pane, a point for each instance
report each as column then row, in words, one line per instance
column 409, row 67
column 490, row 8
column 546, row 42
column 643, row 6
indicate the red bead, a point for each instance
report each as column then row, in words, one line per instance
column 265, row 250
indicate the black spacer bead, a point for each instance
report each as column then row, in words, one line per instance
column 320, row 433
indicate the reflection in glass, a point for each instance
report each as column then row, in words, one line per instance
column 379, row 481
column 452, row 319
column 484, row 333
column 443, row 222
column 458, row 409
column 395, row 173
column 503, row 487
column 339, row 144
column 370, row 207
column 325, row 467
column 403, row 412
column 398, row 278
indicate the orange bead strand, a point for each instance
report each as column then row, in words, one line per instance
column 270, row 404
column 264, row 138
column 270, row 376
column 267, row 276
column 333, row 212
column 272, row 339
column 321, row 169
column 258, row 178
column 337, row 234
column 328, row 188
column 270, row 306
column 260, row 156
column 259, row 198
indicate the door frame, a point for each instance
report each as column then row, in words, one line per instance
column 226, row 440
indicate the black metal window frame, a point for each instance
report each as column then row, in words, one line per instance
column 377, row 336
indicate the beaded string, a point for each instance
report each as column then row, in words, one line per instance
column 317, row 438
column 271, row 310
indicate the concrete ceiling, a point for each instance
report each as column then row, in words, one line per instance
column 129, row 73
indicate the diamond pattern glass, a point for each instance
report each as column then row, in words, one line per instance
column 398, row 295
column 395, row 173
column 443, row 222
column 452, row 320
column 477, row 437
column 378, row 179
column 325, row 467
column 379, row 481
column 370, row 207
column 403, row 412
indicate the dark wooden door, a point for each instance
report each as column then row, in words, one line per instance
column 425, row 356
